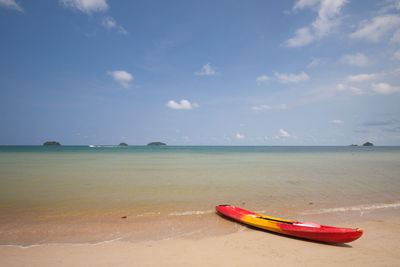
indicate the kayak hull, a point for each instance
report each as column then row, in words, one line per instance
column 307, row 230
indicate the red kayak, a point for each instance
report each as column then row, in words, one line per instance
column 307, row 230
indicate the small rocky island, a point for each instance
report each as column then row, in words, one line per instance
column 51, row 143
column 123, row 144
column 156, row 144
column 368, row 144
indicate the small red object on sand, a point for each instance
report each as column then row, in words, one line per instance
column 123, row 217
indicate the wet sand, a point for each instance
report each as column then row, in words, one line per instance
column 379, row 246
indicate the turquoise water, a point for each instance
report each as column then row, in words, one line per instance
column 42, row 185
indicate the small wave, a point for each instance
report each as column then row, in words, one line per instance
column 191, row 212
column 64, row 244
column 148, row 214
column 359, row 208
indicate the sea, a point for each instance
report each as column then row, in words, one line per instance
column 90, row 195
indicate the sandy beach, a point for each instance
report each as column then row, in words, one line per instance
column 378, row 246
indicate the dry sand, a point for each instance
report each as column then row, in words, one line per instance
column 379, row 246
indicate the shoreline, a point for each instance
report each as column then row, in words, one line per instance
column 25, row 232
column 378, row 246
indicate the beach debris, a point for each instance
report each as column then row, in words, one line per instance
column 124, row 217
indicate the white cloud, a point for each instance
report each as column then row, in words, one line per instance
column 268, row 107
column 305, row 3
column 12, row 4
column 262, row 78
column 207, row 70
column 353, row 89
column 183, row 104
column 361, row 77
column 390, row 5
column 341, row 87
column 239, row 136
column 283, row 133
column 285, row 78
column 336, row 121
column 122, row 77
column 317, row 61
column 327, row 19
column 359, row 60
column 396, row 4
column 378, row 28
column 302, row 37
column 86, row 6
column 291, row 78
column 397, row 55
column 385, row 88
column 396, row 36
column 110, row 23
column 372, row 83
column 327, row 12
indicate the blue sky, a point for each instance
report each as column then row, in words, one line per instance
column 303, row 72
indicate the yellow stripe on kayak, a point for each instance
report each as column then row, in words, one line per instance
column 262, row 223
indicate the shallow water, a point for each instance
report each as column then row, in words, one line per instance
column 79, row 194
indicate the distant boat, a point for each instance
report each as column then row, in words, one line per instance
column 92, row 146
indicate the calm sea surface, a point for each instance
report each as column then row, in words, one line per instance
column 74, row 189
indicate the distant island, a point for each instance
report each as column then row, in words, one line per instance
column 123, row 144
column 51, row 143
column 365, row 144
column 156, row 144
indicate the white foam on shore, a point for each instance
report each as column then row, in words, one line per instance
column 360, row 208
column 191, row 212
column 148, row 214
column 64, row 244
column 183, row 213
